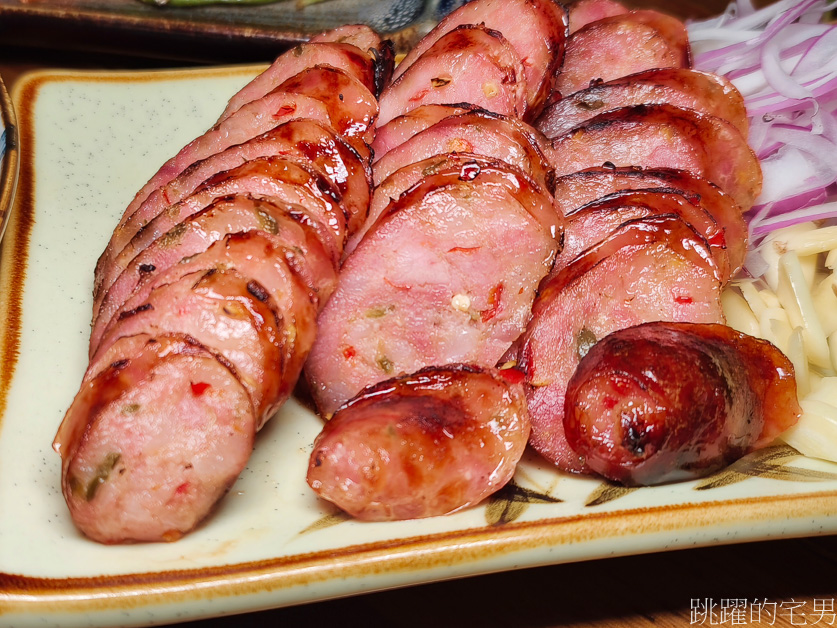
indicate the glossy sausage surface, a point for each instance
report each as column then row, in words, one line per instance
column 447, row 274
column 654, row 268
column 422, row 445
column 620, row 45
column 683, row 87
column 663, row 136
column 663, row 402
column 470, row 64
column 537, row 29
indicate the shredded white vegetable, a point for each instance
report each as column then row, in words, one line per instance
column 798, row 314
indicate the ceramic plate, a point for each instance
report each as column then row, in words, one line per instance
column 89, row 141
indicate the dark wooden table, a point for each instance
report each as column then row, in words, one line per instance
column 793, row 582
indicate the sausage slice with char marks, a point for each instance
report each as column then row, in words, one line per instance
column 351, row 106
column 585, row 186
column 365, row 38
column 447, row 275
column 345, row 57
column 401, row 180
column 654, row 268
column 663, row 402
column 536, row 29
column 255, row 118
column 621, row 45
column 480, row 132
column 237, row 214
column 310, row 146
column 231, row 314
column 403, row 127
column 468, row 64
column 422, row 445
column 269, row 177
column 663, row 136
column 704, row 92
column 269, row 265
column 726, row 232
column 153, row 440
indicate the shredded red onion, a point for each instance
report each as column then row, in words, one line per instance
column 783, row 59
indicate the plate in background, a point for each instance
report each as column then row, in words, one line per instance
column 90, row 141
column 234, row 32
column 223, row 33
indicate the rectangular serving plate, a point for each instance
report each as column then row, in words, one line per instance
column 88, row 142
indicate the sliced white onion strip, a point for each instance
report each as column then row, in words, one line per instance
column 787, row 71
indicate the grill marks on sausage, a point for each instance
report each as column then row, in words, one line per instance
column 597, row 51
column 535, row 29
column 421, row 445
column 707, row 93
column 431, row 267
column 440, row 305
column 137, row 310
column 663, row 136
column 420, row 286
column 662, row 402
column 634, row 275
column 478, row 132
column 352, row 108
column 227, row 164
column 345, row 57
column 469, row 63
column 207, row 295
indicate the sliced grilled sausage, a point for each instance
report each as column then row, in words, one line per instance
column 467, row 64
column 435, row 282
column 726, row 234
column 594, row 222
column 663, row 136
column 153, row 440
column 621, row 45
column 253, row 119
column 479, row 132
column 585, row 186
column 704, row 92
column 329, row 153
column 421, row 445
column 310, row 146
column 269, row 264
column 585, row 11
column 403, row 179
column 351, row 106
column 654, row 268
column 345, row 57
column 365, row 38
column 227, row 312
column 663, row 402
column 403, row 127
column 271, row 177
column 164, row 424
column 536, row 29
column 235, row 214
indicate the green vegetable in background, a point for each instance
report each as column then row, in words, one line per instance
column 203, row 3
